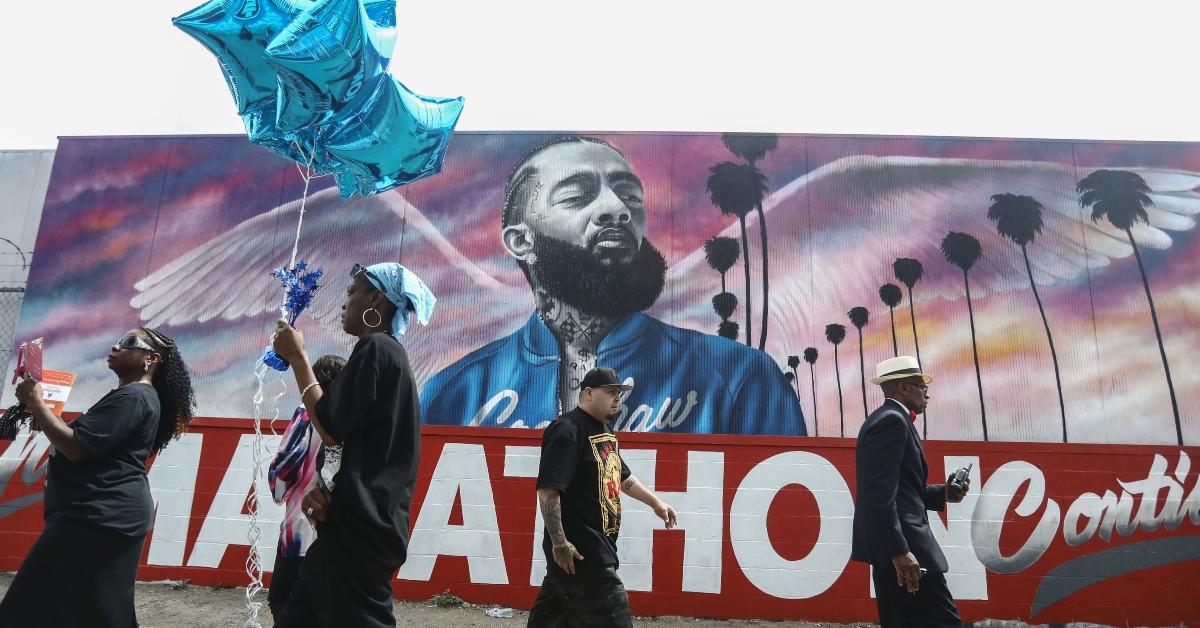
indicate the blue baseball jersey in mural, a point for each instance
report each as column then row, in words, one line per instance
column 684, row 381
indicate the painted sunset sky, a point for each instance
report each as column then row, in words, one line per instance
column 840, row 209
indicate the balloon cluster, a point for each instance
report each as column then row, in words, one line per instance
column 309, row 78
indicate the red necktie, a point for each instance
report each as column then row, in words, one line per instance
column 912, row 416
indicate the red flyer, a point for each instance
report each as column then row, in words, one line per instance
column 29, row 360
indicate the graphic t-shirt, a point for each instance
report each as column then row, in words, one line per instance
column 581, row 459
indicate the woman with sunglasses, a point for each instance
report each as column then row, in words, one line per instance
column 371, row 411
column 81, row 570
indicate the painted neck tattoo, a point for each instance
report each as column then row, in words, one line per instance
column 578, row 334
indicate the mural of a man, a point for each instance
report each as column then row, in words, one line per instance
column 574, row 220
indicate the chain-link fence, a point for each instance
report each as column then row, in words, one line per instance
column 10, row 311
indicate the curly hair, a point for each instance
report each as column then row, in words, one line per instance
column 327, row 368
column 173, row 383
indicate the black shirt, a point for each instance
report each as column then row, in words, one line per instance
column 109, row 487
column 372, row 410
column 580, row 459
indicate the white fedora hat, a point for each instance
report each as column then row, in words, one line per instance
column 902, row 367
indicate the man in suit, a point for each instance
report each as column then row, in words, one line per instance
column 891, row 520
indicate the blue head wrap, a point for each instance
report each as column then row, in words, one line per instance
column 402, row 287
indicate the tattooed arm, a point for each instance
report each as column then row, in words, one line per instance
column 634, row 488
column 565, row 554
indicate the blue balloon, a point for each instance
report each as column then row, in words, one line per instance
column 237, row 32
column 272, row 359
column 381, row 18
column 325, row 63
column 396, row 138
column 310, row 82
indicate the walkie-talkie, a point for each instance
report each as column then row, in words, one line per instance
column 959, row 479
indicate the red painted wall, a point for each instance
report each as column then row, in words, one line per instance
column 1159, row 491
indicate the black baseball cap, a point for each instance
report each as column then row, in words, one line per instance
column 601, row 377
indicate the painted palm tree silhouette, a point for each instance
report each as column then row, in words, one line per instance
column 794, row 362
column 909, row 271
column 858, row 317
column 753, row 147
column 1019, row 218
column 1122, row 198
column 721, row 253
column 728, row 329
column 724, row 304
column 963, row 251
column 890, row 294
column 810, row 356
column 737, row 189
column 835, row 334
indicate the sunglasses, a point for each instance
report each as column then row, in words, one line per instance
column 359, row 269
column 133, row 342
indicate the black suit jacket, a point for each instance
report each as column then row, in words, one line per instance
column 891, row 509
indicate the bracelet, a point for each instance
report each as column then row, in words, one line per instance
column 305, row 391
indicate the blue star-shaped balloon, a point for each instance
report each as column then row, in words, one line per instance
column 382, row 16
column 325, row 63
column 310, row 81
column 237, row 32
column 393, row 116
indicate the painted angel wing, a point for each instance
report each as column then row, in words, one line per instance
column 237, row 284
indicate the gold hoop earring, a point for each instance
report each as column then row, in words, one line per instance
column 378, row 322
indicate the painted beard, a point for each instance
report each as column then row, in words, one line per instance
column 612, row 290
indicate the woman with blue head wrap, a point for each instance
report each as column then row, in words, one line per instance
column 372, row 412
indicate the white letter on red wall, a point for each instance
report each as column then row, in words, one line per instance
column 700, row 510
column 762, row 565
column 522, row 462
column 461, row 472
column 225, row 524
column 172, row 485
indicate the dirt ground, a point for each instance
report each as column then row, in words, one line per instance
column 168, row 605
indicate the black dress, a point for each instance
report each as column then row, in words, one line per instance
column 373, row 411
column 81, row 570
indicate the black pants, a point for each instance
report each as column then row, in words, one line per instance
column 336, row 588
column 283, row 580
column 931, row 606
column 592, row 598
column 75, row 575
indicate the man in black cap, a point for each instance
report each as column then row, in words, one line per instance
column 579, row 487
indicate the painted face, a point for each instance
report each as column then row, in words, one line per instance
column 586, row 194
